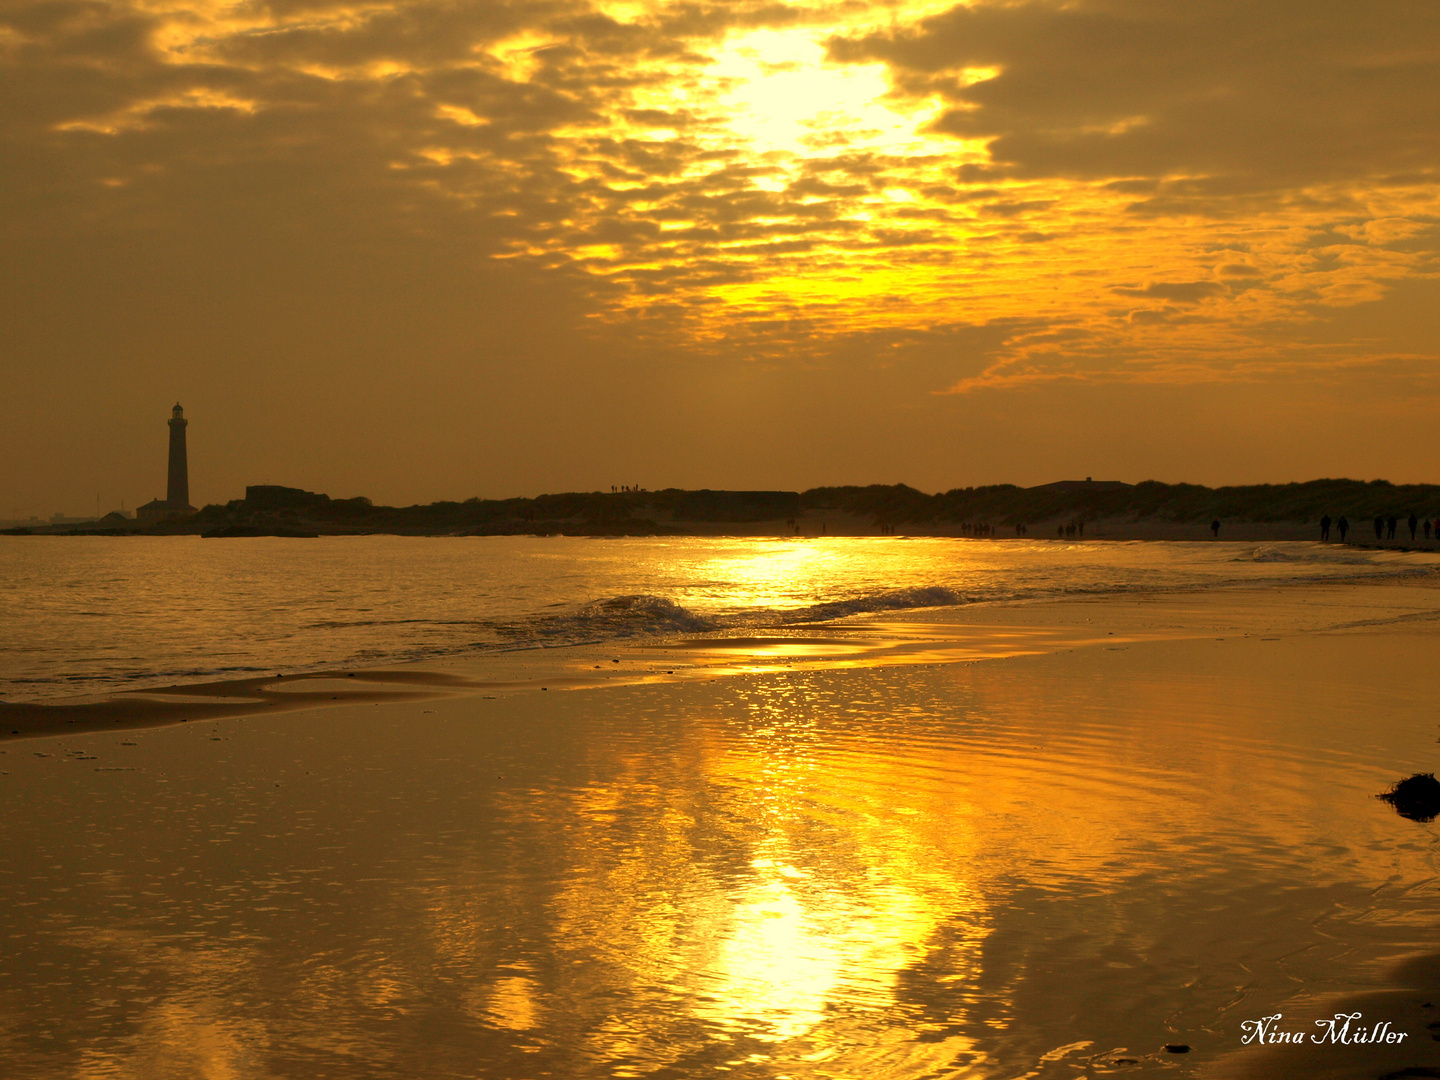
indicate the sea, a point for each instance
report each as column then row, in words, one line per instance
column 88, row 615
column 1105, row 861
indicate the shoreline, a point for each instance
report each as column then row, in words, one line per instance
column 943, row 635
column 1132, row 822
column 1149, row 509
column 813, row 525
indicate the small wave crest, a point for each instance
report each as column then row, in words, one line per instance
column 920, row 596
column 645, row 615
column 626, row 616
column 1323, row 555
column 1268, row 554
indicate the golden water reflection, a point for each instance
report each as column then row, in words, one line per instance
column 1005, row 869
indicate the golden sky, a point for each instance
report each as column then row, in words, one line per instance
column 435, row 249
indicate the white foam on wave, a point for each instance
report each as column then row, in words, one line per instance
column 647, row 615
column 623, row 616
column 1388, row 560
column 1267, row 554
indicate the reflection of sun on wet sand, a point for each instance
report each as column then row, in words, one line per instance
column 1110, row 827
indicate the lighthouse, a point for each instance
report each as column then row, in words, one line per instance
column 177, row 492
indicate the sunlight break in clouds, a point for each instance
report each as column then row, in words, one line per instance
column 1133, row 190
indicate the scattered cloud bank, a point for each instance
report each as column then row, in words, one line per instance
column 1133, row 190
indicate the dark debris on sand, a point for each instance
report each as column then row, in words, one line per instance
column 1416, row 797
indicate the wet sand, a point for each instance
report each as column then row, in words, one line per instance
column 1035, row 839
column 939, row 635
column 1399, row 1023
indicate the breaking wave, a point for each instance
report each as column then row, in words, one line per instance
column 643, row 614
column 890, row 600
column 1389, row 561
column 621, row 616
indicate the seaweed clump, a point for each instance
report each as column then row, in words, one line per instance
column 1416, row 797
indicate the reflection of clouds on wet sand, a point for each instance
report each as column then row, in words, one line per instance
column 511, row 1003
column 190, row 1026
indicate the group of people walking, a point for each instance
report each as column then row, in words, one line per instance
column 1385, row 527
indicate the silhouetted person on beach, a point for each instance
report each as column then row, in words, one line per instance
column 1325, row 527
column 1427, row 528
column 1379, row 528
column 1390, row 524
column 1343, row 526
column 1413, row 522
column 1215, row 528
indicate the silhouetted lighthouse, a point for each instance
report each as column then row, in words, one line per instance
column 177, row 494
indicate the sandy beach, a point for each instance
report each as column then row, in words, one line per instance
column 1045, row 839
column 748, row 540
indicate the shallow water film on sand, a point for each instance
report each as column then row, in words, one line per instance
column 1048, row 866
column 87, row 615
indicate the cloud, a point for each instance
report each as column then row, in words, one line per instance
column 1182, row 292
column 1259, row 95
column 789, row 176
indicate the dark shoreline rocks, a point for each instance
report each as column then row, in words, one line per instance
column 1416, row 797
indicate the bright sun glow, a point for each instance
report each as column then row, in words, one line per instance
column 776, row 969
column 780, row 94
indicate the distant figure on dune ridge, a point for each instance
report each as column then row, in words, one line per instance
column 1215, row 528
column 1379, row 527
column 1325, row 527
column 1412, row 522
column 1343, row 526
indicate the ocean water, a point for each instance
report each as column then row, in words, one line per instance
column 82, row 615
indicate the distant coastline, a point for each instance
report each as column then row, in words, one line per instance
column 1075, row 509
